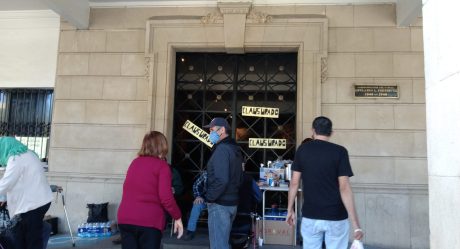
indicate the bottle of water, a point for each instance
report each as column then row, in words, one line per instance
column 105, row 231
column 80, row 230
column 109, row 228
column 102, row 229
column 93, row 229
column 85, row 230
column 98, row 229
column 94, row 232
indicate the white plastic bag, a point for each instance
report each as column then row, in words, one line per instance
column 357, row 244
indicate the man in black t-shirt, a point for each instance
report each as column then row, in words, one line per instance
column 328, row 199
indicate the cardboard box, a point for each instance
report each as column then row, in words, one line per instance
column 276, row 173
column 279, row 233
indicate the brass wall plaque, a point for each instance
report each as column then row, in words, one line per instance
column 264, row 112
column 375, row 91
column 197, row 132
column 267, row 143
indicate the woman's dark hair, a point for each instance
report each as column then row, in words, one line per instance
column 322, row 126
column 154, row 145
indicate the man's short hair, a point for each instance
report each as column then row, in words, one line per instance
column 322, row 126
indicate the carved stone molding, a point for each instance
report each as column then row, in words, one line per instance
column 323, row 69
column 214, row 17
column 387, row 188
column 252, row 17
column 233, row 10
column 85, row 177
column 234, row 7
column 258, row 17
column 147, row 68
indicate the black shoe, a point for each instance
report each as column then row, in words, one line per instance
column 189, row 236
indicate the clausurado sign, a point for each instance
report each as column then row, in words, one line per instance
column 267, row 143
column 264, row 112
column 197, row 132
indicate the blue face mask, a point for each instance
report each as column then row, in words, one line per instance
column 214, row 137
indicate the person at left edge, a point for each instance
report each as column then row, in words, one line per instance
column 27, row 190
column 147, row 194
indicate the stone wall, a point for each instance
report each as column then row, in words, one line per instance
column 386, row 138
column 104, row 97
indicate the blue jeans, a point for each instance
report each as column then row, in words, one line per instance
column 220, row 219
column 194, row 216
column 335, row 233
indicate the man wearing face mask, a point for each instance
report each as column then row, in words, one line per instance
column 225, row 176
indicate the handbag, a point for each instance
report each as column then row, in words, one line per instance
column 357, row 244
column 4, row 218
column 97, row 212
column 7, row 228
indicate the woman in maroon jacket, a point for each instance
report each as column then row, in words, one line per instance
column 147, row 194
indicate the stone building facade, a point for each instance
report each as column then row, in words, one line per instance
column 115, row 82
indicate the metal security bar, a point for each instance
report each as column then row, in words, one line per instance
column 26, row 114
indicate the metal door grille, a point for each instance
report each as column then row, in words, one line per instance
column 218, row 85
column 26, row 114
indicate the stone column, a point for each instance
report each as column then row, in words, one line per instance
column 442, row 74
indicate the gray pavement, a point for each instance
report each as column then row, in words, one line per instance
column 200, row 242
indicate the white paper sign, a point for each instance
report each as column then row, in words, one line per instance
column 197, row 132
column 264, row 112
column 267, row 143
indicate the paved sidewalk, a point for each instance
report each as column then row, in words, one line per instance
column 200, row 242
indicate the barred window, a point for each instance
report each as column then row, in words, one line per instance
column 25, row 113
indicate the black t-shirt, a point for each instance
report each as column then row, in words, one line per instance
column 321, row 163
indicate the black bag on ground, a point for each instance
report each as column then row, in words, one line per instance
column 97, row 212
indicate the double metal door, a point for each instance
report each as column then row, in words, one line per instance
column 209, row 85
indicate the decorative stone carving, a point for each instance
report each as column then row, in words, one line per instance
column 231, row 7
column 212, row 18
column 323, row 69
column 234, row 10
column 147, row 68
column 258, row 17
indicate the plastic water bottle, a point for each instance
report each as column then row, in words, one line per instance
column 85, row 230
column 80, row 230
column 93, row 229
column 103, row 229
column 99, row 229
column 109, row 228
column 106, row 232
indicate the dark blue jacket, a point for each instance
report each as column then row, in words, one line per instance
column 225, row 173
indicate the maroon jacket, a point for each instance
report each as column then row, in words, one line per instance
column 147, row 194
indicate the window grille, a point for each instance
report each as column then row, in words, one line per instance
column 26, row 114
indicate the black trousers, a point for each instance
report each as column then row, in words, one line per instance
column 28, row 233
column 138, row 237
